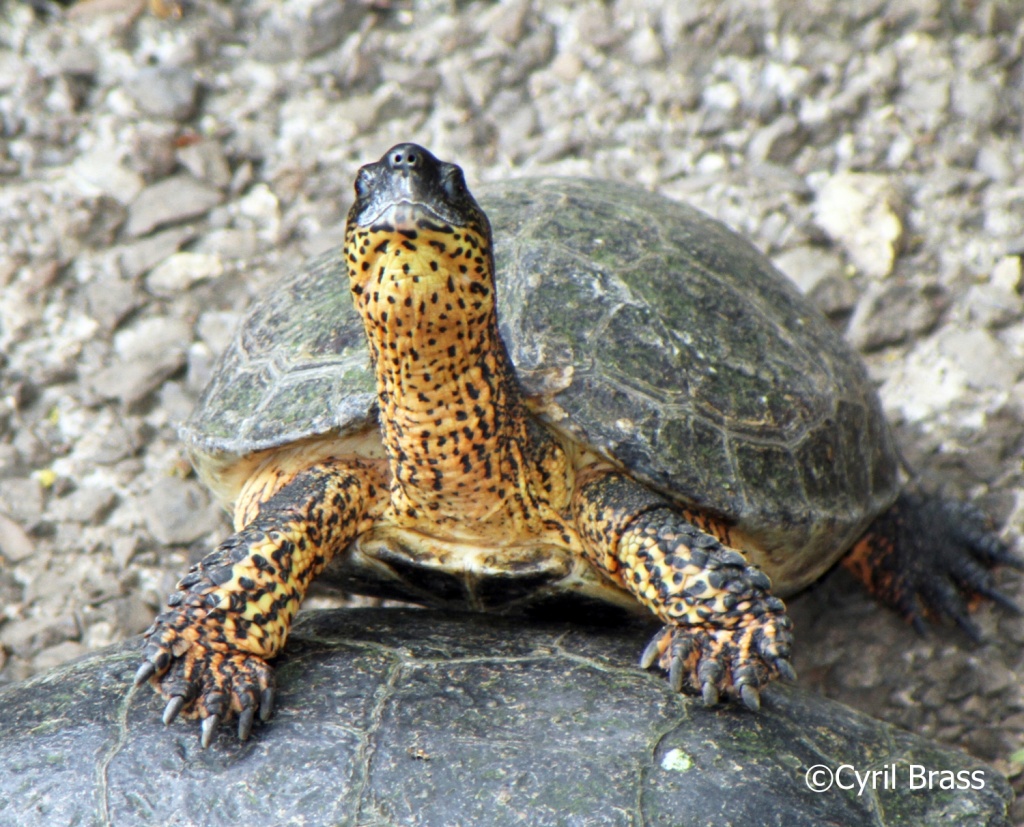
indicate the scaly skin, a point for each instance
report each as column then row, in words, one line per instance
column 207, row 652
column 724, row 632
column 925, row 554
column 466, row 463
column 461, row 448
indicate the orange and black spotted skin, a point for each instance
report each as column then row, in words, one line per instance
column 723, row 628
column 232, row 610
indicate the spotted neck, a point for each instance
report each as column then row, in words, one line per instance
column 462, row 451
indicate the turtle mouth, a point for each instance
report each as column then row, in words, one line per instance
column 407, row 215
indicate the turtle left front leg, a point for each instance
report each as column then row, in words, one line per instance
column 207, row 651
column 725, row 633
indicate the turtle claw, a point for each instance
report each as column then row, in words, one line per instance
column 709, row 673
column 928, row 556
column 145, row 671
column 173, row 708
column 1008, row 558
column 651, row 653
column 245, row 720
column 1001, row 599
column 714, row 662
column 267, row 703
column 675, row 675
column 785, row 670
column 207, row 728
column 969, row 628
column 751, row 697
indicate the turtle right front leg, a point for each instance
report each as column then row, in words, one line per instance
column 207, row 651
column 725, row 634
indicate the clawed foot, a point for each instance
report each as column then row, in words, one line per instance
column 204, row 680
column 732, row 662
column 927, row 556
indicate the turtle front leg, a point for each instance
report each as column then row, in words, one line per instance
column 207, row 651
column 725, row 633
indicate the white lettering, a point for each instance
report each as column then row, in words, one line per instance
column 917, row 777
column 841, row 771
column 848, row 777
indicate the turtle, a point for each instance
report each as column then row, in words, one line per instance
column 611, row 400
column 423, row 718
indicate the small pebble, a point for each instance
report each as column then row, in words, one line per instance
column 861, row 212
column 179, row 511
column 164, row 92
column 180, row 271
column 168, row 202
column 15, row 543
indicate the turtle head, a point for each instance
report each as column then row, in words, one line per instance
column 418, row 251
column 410, row 189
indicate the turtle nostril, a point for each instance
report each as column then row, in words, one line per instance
column 407, row 159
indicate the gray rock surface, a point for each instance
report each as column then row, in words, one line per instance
column 749, row 110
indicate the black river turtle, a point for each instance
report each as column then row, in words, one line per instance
column 616, row 400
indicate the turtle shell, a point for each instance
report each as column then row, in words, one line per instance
column 639, row 326
column 420, row 718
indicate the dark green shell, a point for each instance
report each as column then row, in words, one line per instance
column 665, row 341
column 393, row 717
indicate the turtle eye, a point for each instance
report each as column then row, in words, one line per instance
column 364, row 183
column 454, row 182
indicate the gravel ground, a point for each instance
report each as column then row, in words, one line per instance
column 157, row 172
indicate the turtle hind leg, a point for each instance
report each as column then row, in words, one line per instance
column 207, row 651
column 927, row 555
column 725, row 634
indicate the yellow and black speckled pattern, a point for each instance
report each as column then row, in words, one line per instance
column 725, row 633
column 234, row 608
column 466, row 460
